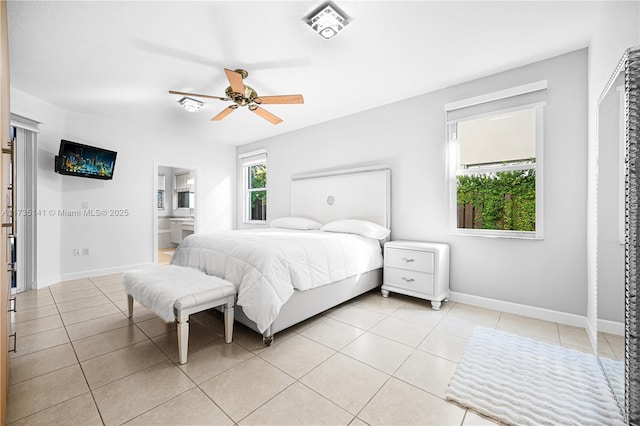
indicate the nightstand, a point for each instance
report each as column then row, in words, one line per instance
column 417, row 269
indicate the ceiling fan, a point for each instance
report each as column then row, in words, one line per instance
column 243, row 95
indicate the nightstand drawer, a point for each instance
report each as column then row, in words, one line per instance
column 409, row 259
column 412, row 280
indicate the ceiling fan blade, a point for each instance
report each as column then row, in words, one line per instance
column 197, row 95
column 228, row 110
column 280, row 99
column 235, row 80
column 265, row 114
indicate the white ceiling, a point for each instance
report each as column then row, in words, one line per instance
column 118, row 59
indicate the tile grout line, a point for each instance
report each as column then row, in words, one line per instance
column 330, row 401
column 414, row 349
column 111, row 351
column 70, row 342
column 50, row 371
column 95, row 403
column 196, row 385
column 216, row 404
column 388, row 315
column 373, row 396
column 295, row 380
column 81, row 370
column 131, row 323
column 392, row 375
column 266, row 402
column 368, row 401
column 389, row 376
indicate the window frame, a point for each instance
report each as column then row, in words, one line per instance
column 161, row 201
column 249, row 160
column 176, row 193
column 453, row 154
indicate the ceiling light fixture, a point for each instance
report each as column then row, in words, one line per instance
column 191, row 105
column 327, row 20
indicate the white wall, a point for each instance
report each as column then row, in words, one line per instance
column 618, row 29
column 49, row 186
column 410, row 137
column 116, row 242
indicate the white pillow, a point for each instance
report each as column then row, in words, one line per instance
column 360, row 227
column 300, row 223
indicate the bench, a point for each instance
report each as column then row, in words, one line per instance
column 174, row 292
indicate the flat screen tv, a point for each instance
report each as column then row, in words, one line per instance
column 76, row 159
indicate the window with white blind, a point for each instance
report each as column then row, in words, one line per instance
column 495, row 163
column 184, row 190
column 254, row 172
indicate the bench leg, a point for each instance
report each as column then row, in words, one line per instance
column 228, row 322
column 130, row 305
column 183, row 338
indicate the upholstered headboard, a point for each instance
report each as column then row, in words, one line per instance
column 363, row 193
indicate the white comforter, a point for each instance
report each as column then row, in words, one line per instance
column 267, row 265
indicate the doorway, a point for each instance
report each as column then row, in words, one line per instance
column 175, row 212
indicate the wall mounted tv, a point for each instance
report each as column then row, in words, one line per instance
column 76, row 159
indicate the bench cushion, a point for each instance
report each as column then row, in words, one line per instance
column 163, row 288
column 204, row 299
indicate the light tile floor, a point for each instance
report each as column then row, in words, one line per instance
column 372, row 360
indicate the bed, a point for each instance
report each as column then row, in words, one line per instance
column 285, row 276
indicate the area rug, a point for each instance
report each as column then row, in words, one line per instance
column 521, row 381
column 614, row 371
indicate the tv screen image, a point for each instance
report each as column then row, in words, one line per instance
column 76, row 159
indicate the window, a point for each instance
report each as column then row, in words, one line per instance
column 161, row 189
column 254, row 171
column 495, row 156
column 184, row 191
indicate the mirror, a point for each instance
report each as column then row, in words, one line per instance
column 618, row 181
column 611, row 152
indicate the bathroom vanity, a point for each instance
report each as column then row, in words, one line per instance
column 180, row 227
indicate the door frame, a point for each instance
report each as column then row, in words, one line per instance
column 194, row 170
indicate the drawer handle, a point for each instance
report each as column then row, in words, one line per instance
column 409, row 280
column 15, row 343
column 404, row 259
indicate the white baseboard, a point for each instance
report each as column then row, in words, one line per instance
column 46, row 282
column 591, row 334
column 91, row 273
column 518, row 309
column 611, row 327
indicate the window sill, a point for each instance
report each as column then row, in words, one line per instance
column 518, row 235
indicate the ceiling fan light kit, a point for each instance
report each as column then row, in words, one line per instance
column 242, row 95
column 191, row 105
column 327, row 20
